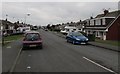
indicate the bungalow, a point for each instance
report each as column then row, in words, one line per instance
column 104, row 26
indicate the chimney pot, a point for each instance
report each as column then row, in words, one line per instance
column 105, row 12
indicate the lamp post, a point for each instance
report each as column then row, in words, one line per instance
column 3, row 30
column 26, row 17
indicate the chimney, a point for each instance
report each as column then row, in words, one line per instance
column 105, row 12
column 91, row 17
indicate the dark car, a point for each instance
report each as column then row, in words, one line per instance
column 34, row 28
column 32, row 39
column 76, row 38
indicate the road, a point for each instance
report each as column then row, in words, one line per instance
column 59, row 56
column 0, row 58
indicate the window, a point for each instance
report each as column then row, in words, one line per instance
column 103, row 21
column 98, row 22
column 32, row 37
column 91, row 22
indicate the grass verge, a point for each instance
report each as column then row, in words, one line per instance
column 11, row 38
column 115, row 43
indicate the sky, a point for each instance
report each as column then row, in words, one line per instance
column 43, row 13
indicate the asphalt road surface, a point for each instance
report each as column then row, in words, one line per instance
column 59, row 56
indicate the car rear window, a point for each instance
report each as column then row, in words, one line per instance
column 32, row 37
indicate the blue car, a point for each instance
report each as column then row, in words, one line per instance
column 76, row 38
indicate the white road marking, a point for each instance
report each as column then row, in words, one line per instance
column 99, row 65
column 8, row 47
column 28, row 67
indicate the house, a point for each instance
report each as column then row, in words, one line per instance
column 1, row 27
column 80, row 25
column 104, row 26
column 113, row 30
column 7, row 26
column 70, row 27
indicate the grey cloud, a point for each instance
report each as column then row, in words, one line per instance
column 43, row 13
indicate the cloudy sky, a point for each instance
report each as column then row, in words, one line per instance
column 43, row 13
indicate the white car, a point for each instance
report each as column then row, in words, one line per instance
column 24, row 29
column 64, row 31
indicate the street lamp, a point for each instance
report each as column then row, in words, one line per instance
column 26, row 17
column 4, row 29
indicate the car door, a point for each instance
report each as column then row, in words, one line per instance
column 70, row 37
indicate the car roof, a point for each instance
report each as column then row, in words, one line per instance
column 32, row 32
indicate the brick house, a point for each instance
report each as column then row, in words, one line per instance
column 104, row 26
column 113, row 30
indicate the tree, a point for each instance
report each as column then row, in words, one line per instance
column 15, row 26
column 71, row 22
column 62, row 23
column 48, row 26
column 67, row 22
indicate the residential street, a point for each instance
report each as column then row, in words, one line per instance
column 59, row 56
column 57, row 36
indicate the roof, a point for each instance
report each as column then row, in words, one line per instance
column 4, row 22
column 70, row 27
column 113, row 21
column 109, row 14
column 114, row 14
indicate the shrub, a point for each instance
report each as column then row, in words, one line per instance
column 91, row 37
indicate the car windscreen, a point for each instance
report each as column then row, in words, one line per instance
column 77, row 34
column 32, row 37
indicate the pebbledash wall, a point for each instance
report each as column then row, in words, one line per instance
column 114, row 30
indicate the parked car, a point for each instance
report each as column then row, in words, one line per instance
column 34, row 28
column 68, row 29
column 32, row 39
column 46, row 29
column 76, row 38
column 5, row 34
column 23, row 29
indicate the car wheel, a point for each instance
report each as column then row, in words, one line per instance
column 87, row 43
column 23, row 47
column 73, row 42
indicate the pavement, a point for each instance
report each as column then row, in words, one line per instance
column 97, row 44
column 9, row 54
column 106, row 46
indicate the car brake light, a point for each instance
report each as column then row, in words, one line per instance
column 40, row 39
